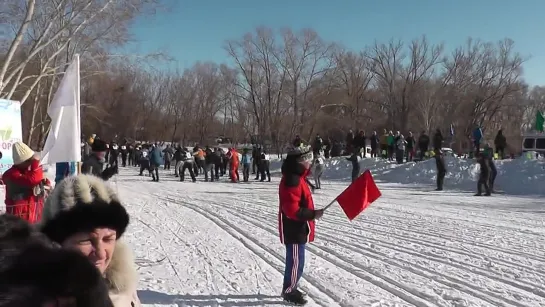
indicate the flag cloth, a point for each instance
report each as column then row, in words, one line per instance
column 63, row 143
column 540, row 121
column 359, row 195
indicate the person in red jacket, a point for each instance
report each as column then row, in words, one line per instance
column 25, row 184
column 296, row 218
column 233, row 165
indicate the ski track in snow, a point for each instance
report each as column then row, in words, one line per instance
column 216, row 244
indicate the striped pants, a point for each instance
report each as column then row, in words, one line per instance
column 295, row 263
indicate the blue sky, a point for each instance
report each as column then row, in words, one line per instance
column 197, row 30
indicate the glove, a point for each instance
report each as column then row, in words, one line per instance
column 318, row 214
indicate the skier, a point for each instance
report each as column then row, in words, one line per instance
column 318, row 169
column 156, row 159
column 114, row 154
column 247, row 163
column 296, row 219
column 257, row 161
column 168, row 154
column 178, row 160
column 354, row 158
column 218, row 162
column 209, row 166
column 264, row 166
column 441, row 169
column 187, row 164
column 124, row 152
column 484, row 177
column 143, row 161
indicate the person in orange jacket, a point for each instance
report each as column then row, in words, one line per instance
column 233, row 165
column 25, row 184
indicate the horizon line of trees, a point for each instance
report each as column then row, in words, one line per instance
column 282, row 83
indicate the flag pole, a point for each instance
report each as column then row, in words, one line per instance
column 330, row 204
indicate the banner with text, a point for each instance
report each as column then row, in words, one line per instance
column 11, row 130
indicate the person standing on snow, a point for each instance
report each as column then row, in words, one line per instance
column 233, row 165
column 441, row 169
column 188, row 162
column 484, row 177
column 247, row 163
column 124, row 152
column 257, row 161
column 477, row 138
column 400, row 148
column 114, row 154
column 218, row 162
column 374, row 140
column 178, row 160
column 144, row 162
column 409, row 152
column 156, row 159
column 423, row 144
column 168, row 154
column 209, row 165
column 94, row 163
column 296, row 219
column 489, row 156
column 355, row 159
column 317, row 171
column 501, row 143
column 264, row 166
column 25, row 184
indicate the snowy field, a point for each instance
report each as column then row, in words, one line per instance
column 216, row 244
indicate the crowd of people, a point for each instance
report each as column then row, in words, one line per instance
column 62, row 246
column 102, row 159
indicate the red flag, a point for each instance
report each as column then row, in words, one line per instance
column 359, row 195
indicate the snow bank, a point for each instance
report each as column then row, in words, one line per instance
column 520, row 176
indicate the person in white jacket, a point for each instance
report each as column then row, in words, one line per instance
column 318, row 169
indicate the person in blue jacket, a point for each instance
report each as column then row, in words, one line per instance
column 156, row 159
column 477, row 137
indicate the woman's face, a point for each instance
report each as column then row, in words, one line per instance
column 98, row 246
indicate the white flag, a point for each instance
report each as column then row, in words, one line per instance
column 63, row 143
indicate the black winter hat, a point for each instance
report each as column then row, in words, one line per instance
column 80, row 204
column 99, row 146
column 33, row 271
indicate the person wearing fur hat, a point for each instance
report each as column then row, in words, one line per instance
column 83, row 213
column 34, row 272
column 296, row 218
column 94, row 163
column 25, row 184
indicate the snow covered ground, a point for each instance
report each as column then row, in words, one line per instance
column 216, row 244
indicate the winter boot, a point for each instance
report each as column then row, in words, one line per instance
column 295, row 297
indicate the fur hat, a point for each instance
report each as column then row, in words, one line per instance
column 33, row 271
column 99, row 146
column 21, row 153
column 82, row 203
column 300, row 153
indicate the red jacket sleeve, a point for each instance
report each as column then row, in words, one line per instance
column 30, row 178
column 289, row 202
